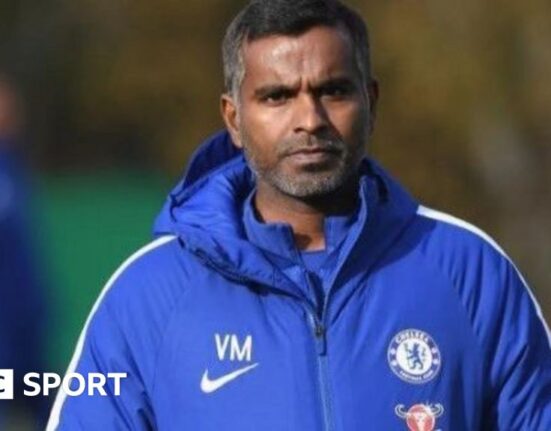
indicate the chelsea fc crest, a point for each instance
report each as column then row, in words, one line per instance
column 414, row 356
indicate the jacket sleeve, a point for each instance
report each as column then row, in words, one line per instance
column 123, row 334
column 104, row 349
column 520, row 364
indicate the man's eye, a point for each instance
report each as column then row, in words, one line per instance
column 276, row 97
column 335, row 91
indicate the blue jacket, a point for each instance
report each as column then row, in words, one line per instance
column 427, row 324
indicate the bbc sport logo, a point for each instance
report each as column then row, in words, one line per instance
column 72, row 384
column 6, row 384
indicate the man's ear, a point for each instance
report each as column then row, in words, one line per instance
column 373, row 94
column 228, row 109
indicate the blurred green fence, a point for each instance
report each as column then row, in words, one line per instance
column 91, row 223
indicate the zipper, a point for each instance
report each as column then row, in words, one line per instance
column 320, row 337
column 319, row 326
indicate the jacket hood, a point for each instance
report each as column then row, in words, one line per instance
column 205, row 211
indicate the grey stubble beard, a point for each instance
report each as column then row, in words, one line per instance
column 310, row 183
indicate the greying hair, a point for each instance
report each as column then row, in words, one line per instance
column 262, row 18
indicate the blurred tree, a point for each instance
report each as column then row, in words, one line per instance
column 463, row 121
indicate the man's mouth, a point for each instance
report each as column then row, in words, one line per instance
column 312, row 155
column 314, row 150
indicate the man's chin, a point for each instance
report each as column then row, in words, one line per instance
column 310, row 185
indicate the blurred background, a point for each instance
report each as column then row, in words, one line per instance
column 102, row 102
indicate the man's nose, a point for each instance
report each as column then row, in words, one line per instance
column 310, row 115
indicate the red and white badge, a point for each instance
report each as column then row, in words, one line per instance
column 420, row 417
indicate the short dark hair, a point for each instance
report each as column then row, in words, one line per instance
column 261, row 18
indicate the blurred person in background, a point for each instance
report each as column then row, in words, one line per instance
column 295, row 285
column 22, row 304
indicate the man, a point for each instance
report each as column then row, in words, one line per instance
column 295, row 285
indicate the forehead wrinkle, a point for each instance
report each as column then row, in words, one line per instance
column 292, row 59
column 281, row 61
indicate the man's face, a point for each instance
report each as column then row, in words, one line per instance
column 303, row 118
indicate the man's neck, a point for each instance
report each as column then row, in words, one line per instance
column 305, row 216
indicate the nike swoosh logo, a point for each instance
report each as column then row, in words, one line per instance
column 208, row 385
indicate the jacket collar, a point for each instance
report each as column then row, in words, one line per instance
column 206, row 208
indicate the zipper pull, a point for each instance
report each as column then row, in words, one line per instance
column 321, row 342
